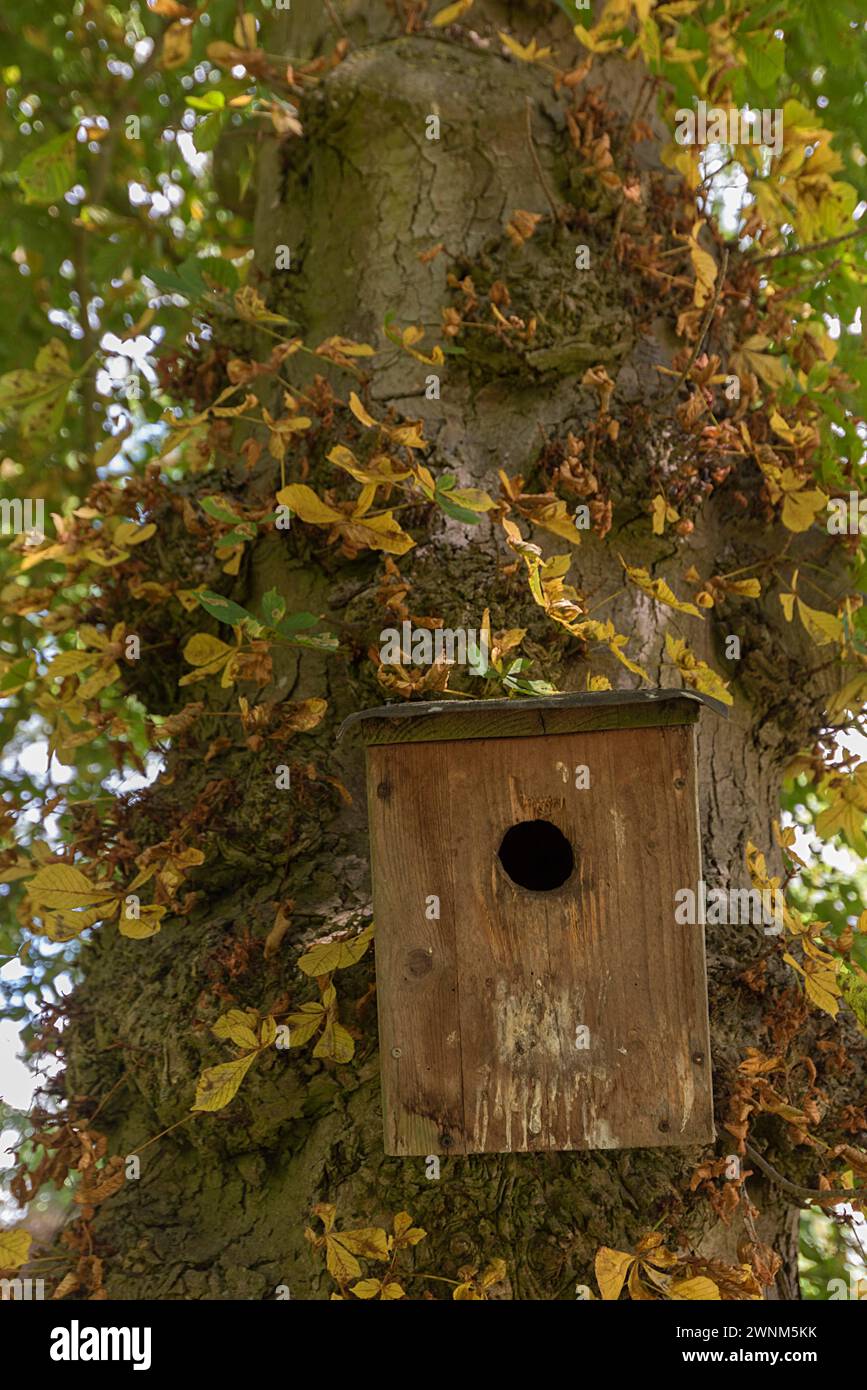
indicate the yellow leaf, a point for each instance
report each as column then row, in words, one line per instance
column 359, row 412
column 335, row 955
column 820, row 983
column 366, row 1288
column 822, row 627
column 404, row 1231
column 336, row 1042
column 697, row 674
column 747, row 588
column 595, row 631
column 662, row 513
column 202, row 650
column 800, row 509
column 92, row 637
column 370, row 1242
column 494, row 1273
column 844, row 816
column 551, row 516
column 451, row 13
column 409, row 436
column 346, row 347
column 98, row 681
column 147, row 923
column 305, row 1023
column 472, row 497
column 67, row 663
column 705, row 268
column 595, row 44
column 14, row 1247
column 528, row 53
column 800, row 435
column 267, row 1031
column 657, row 589
column 130, row 533
column 239, row 1026
column 218, row 1085
column 379, row 533
column 752, row 357
column 304, row 503
column 699, row 1288
column 245, row 31
column 59, row 886
column 380, row 469
column 612, row 1267
column 341, row 1264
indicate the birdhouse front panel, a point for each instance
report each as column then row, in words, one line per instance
column 534, row 989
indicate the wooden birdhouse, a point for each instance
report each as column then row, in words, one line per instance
column 535, row 991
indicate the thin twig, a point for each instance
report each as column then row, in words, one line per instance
column 812, row 1195
column 335, row 19
column 538, row 167
column 812, row 246
column 706, row 321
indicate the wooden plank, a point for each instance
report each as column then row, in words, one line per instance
column 602, row 952
column 417, row 989
column 462, row 723
column 492, row 1062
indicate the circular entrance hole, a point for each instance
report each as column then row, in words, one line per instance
column 535, row 854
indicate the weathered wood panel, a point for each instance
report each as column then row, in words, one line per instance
column 460, row 722
column 410, row 813
column 487, row 1036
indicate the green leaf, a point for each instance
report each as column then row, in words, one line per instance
column 223, row 608
column 273, row 607
column 766, row 59
column 296, row 622
column 207, row 132
column 47, row 173
column 211, row 101
column 218, row 510
column 453, row 510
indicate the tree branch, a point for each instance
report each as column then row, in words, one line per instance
column 812, row 1195
column 813, row 246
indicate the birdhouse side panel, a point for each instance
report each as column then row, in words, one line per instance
column 416, row 910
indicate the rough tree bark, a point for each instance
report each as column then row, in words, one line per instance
column 221, row 1205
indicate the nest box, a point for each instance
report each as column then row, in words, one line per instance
column 534, row 989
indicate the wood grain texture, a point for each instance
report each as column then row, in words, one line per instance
column 521, row 721
column 483, row 1005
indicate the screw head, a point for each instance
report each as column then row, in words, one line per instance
column 396, row 1052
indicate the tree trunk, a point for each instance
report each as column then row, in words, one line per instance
column 222, row 1203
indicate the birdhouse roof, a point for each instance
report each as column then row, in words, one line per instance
column 425, row 721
